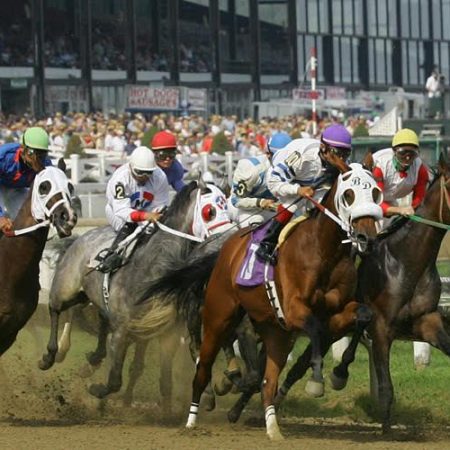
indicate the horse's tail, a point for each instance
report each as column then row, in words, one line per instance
column 183, row 287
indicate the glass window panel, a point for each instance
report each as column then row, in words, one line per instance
column 446, row 15
column 243, row 42
column 355, row 73
column 320, row 58
column 404, row 15
column 388, row 60
column 380, row 61
column 445, row 63
column 348, row 17
column 337, row 17
column 372, row 18
column 392, row 15
column 301, row 15
column 437, row 20
column 274, row 38
column 405, row 71
column 195, row 37
column 16, row 43
column 372, row 79
column 346, row 57
column 313, row 19
column 108, row 35
column 359, row 25
column 301, row 57
column 323, row 17
column 152, row 36
column 421, row 57
column 337, row 60
column 424, row 19
column 415, row 13
column 61, row 35
column 382, row 18
column 413, row 62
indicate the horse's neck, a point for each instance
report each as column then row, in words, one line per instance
column 326, row 227
column 30, row 245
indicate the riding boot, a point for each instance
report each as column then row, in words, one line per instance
column 267, row 245
column 110, row 259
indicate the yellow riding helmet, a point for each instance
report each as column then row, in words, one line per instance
column 405, row 137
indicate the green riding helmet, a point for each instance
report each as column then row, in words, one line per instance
column 36, row 138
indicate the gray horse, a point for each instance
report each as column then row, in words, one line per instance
column 75, row 283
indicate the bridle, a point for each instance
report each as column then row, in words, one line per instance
column 444, row 194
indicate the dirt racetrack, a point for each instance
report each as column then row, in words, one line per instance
column 53, row 410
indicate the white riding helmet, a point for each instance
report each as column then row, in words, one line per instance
column 142, row 159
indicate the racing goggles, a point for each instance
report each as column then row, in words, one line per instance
column 340, row 152
column 142, row 173
column 161, row 155
column 406, row 152
column 41, row 154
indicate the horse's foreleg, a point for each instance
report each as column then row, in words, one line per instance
column 430, row 328
column 354, row 313
column 96, row 357
column 381, row 346
column 216, row 330
column 48, row 359
column 136, row 370
column 64, row 341
column 118, row 348
column 278, row 344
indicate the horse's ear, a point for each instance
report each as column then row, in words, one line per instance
column 367, row 161
column 201, row 182
column 62, row 165
column 225, row 187
column 443, row 163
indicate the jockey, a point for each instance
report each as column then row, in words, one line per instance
column 399, row 171
column 133, row 193
column 249, row 194
column 164, row 146
column 296, row 167
column 19, row 164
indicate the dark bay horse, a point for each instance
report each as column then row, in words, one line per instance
column 74, row 282
column 400, row 282
column 315, row 279
column 48, row 203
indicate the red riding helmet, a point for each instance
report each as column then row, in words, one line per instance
column 163, row 140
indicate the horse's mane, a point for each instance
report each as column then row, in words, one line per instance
column 180, row 202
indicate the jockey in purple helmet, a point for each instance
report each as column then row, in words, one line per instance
column 297, row 167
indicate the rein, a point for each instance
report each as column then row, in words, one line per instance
column 26, row 230
column 328, row 213
column 169, row 230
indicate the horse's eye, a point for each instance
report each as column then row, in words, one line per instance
column 71, row 188
column 349, row 197
column 376, row 195
column 45, row 187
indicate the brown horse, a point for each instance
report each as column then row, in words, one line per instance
column 315, row 279
column 400, row 282
column 49, row 202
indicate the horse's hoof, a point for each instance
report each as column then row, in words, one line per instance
column 209, row 401
column 314, row 388
column 275, row 436
column 93, row 359
column 98, row 390
column 45, row 363
column 337, row 383
column 60, row 357
column 223, row 386
column 233, row 415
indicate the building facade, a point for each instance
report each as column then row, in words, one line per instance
column 61, row 54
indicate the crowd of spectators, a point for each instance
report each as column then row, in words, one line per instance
column 74, row 132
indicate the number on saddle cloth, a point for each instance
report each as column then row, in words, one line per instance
column 252, row 269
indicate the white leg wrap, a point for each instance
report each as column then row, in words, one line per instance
column 273, row 431
column 192, row 418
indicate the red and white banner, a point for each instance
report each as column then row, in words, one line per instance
column 335, row 93
column 142, row 97
column 197, row 99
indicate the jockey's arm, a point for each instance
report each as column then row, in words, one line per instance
column 420, row 187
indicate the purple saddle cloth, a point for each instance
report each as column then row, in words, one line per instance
column 252, row 269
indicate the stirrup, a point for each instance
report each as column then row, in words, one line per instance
column 112, row 262
column 265, row 253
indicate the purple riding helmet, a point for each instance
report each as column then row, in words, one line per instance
column 337, row 136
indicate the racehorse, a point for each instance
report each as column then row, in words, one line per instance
column 48, row 203
column 315, row 278
column 74, row 282
column 400, row 282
